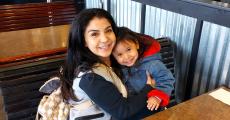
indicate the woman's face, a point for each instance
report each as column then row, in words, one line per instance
column 99, row 37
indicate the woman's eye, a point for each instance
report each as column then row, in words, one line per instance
column 94, row 34
column 128, row 49
column 109, row 30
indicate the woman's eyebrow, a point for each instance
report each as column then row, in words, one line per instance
column 93, row 31
column 108, row 27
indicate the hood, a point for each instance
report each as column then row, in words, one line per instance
column 155, row 56
column 154, row 48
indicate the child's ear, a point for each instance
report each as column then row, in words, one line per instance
column 137, row 45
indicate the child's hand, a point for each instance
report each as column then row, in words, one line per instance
column 153, row 103
column 150, row 80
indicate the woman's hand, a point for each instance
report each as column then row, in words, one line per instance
column 150, row 81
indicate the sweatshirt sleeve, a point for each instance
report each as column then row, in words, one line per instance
column 161, row 95
column 163, row 76
column 107, row 96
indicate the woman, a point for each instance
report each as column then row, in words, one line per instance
column 88, row 80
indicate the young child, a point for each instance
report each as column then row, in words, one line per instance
column 138, row 54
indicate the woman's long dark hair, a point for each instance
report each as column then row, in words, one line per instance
column 80, row 58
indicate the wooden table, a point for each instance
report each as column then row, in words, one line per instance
column 203, row 107
column 27, row 59
column 21, row 44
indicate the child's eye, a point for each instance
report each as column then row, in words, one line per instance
column 118, row 55
column 128, row 49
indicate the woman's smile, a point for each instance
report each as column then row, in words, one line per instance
column 99, row 37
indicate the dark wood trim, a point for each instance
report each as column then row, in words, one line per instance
column 34, row 55
column 109, row 6
column 193, row 59
column 204, row 11
column 17, row 17
column 143, row 13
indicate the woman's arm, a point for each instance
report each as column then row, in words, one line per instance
column 107, row 96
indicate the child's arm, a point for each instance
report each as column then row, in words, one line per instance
column 160, row 95
column 163, row 76
column 150, row 80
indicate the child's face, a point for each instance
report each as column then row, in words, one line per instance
column 126, row 53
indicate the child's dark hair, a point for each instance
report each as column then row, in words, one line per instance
column 125, row 33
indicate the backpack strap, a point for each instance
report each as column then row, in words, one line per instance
column 50, row 85
column 83, row 105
